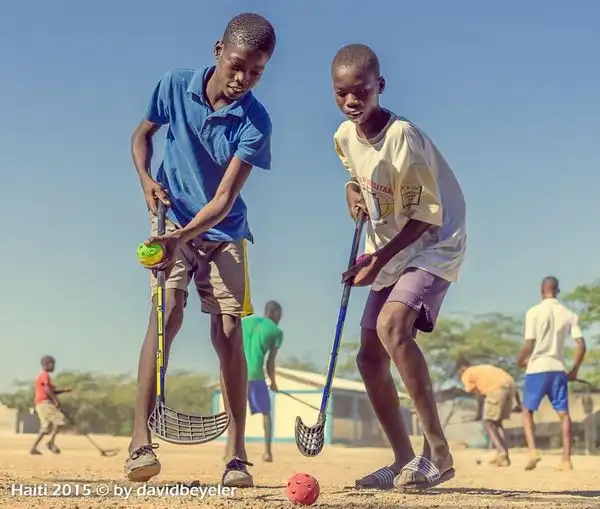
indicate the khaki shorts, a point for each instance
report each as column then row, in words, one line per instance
column 499, row 403
column 48, row 414
column 219, row 271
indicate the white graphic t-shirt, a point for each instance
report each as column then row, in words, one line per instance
column 403, row 176
column 549, row 324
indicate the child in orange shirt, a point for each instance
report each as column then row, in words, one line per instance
column 498, row 390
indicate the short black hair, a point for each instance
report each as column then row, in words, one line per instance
column 461, row 362
column 251, row 31
column 272, row 305
column 551, row 283
column 356, row 55
column 46, row 358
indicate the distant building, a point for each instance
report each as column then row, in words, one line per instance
column 17, row 421
column 350, row 421
column 8, row 420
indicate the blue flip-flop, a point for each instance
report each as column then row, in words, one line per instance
column 381, row 479
column 423, row 467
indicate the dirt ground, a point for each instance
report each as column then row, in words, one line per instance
column 83, row 471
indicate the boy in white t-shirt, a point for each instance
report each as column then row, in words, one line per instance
column 415, row 245
column 547, row 326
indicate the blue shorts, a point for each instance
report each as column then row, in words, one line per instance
column 553, row 384
column 259, row 398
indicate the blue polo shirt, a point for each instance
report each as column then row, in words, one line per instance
column 200, row 144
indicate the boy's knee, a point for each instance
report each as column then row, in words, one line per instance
column 225, row 326
column 369, row 363
column 226, row 334
column 174, row 307
column 395, row 325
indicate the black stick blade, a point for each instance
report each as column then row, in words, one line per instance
column 310, row 440
column 178, row 428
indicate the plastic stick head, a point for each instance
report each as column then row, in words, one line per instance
column 178, row 428
column 310, row 440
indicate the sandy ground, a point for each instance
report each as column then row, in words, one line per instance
column 81, row 468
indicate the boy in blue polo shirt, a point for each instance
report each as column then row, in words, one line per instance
column 217, row 132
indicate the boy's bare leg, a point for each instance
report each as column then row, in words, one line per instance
column 42, row 433
column 373, row 364
column 229, row 448
column 268, row 427
column 496, row 434
column 492, row 429
column 226, row 336
column 395, row 327
column 145, row 462
column 565, row 427
column 529, row 431
column 53, row 432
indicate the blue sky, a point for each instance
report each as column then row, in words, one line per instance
column 508, row 91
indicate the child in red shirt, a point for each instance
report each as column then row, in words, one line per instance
column 47, row 407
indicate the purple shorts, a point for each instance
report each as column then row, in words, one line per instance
column 417, row 289
column 259, row 398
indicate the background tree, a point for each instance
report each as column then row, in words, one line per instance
column 585, row 300
column 104, row 403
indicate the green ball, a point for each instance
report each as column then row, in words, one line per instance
column 150, row 255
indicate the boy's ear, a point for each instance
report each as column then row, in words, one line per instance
column 381, row 83
column 218, row 49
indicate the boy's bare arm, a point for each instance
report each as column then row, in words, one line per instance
column 525, row 353
column 355, row 199
column 52, row 396
column 217, row 209
column 271, row 367
column 141, row 151
column 579, row 356
column 410, row 234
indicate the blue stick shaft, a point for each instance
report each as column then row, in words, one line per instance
column 341, row 317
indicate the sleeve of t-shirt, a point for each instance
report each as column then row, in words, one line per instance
column 255, row 142
column 529, row 326
column 576, row 332
column 417, row 195
column 158, row 109
column 340, row 153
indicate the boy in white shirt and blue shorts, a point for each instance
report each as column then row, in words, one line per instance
column 547, row 326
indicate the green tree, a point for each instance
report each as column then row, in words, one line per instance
column 493, row 338
column 103, row 403
column 301, row 364
column 585, row 300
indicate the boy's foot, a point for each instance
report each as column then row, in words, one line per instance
column 421, row 473
column 534, row 459
column 236, row 474
column 142, row 464
column 502, row 460
column 494, row 459
column 381, row 479
column 565, row 465
column 268, row 457
column 52, row 448
column 35, row 452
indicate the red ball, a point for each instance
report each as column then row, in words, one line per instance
column 303, row 489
